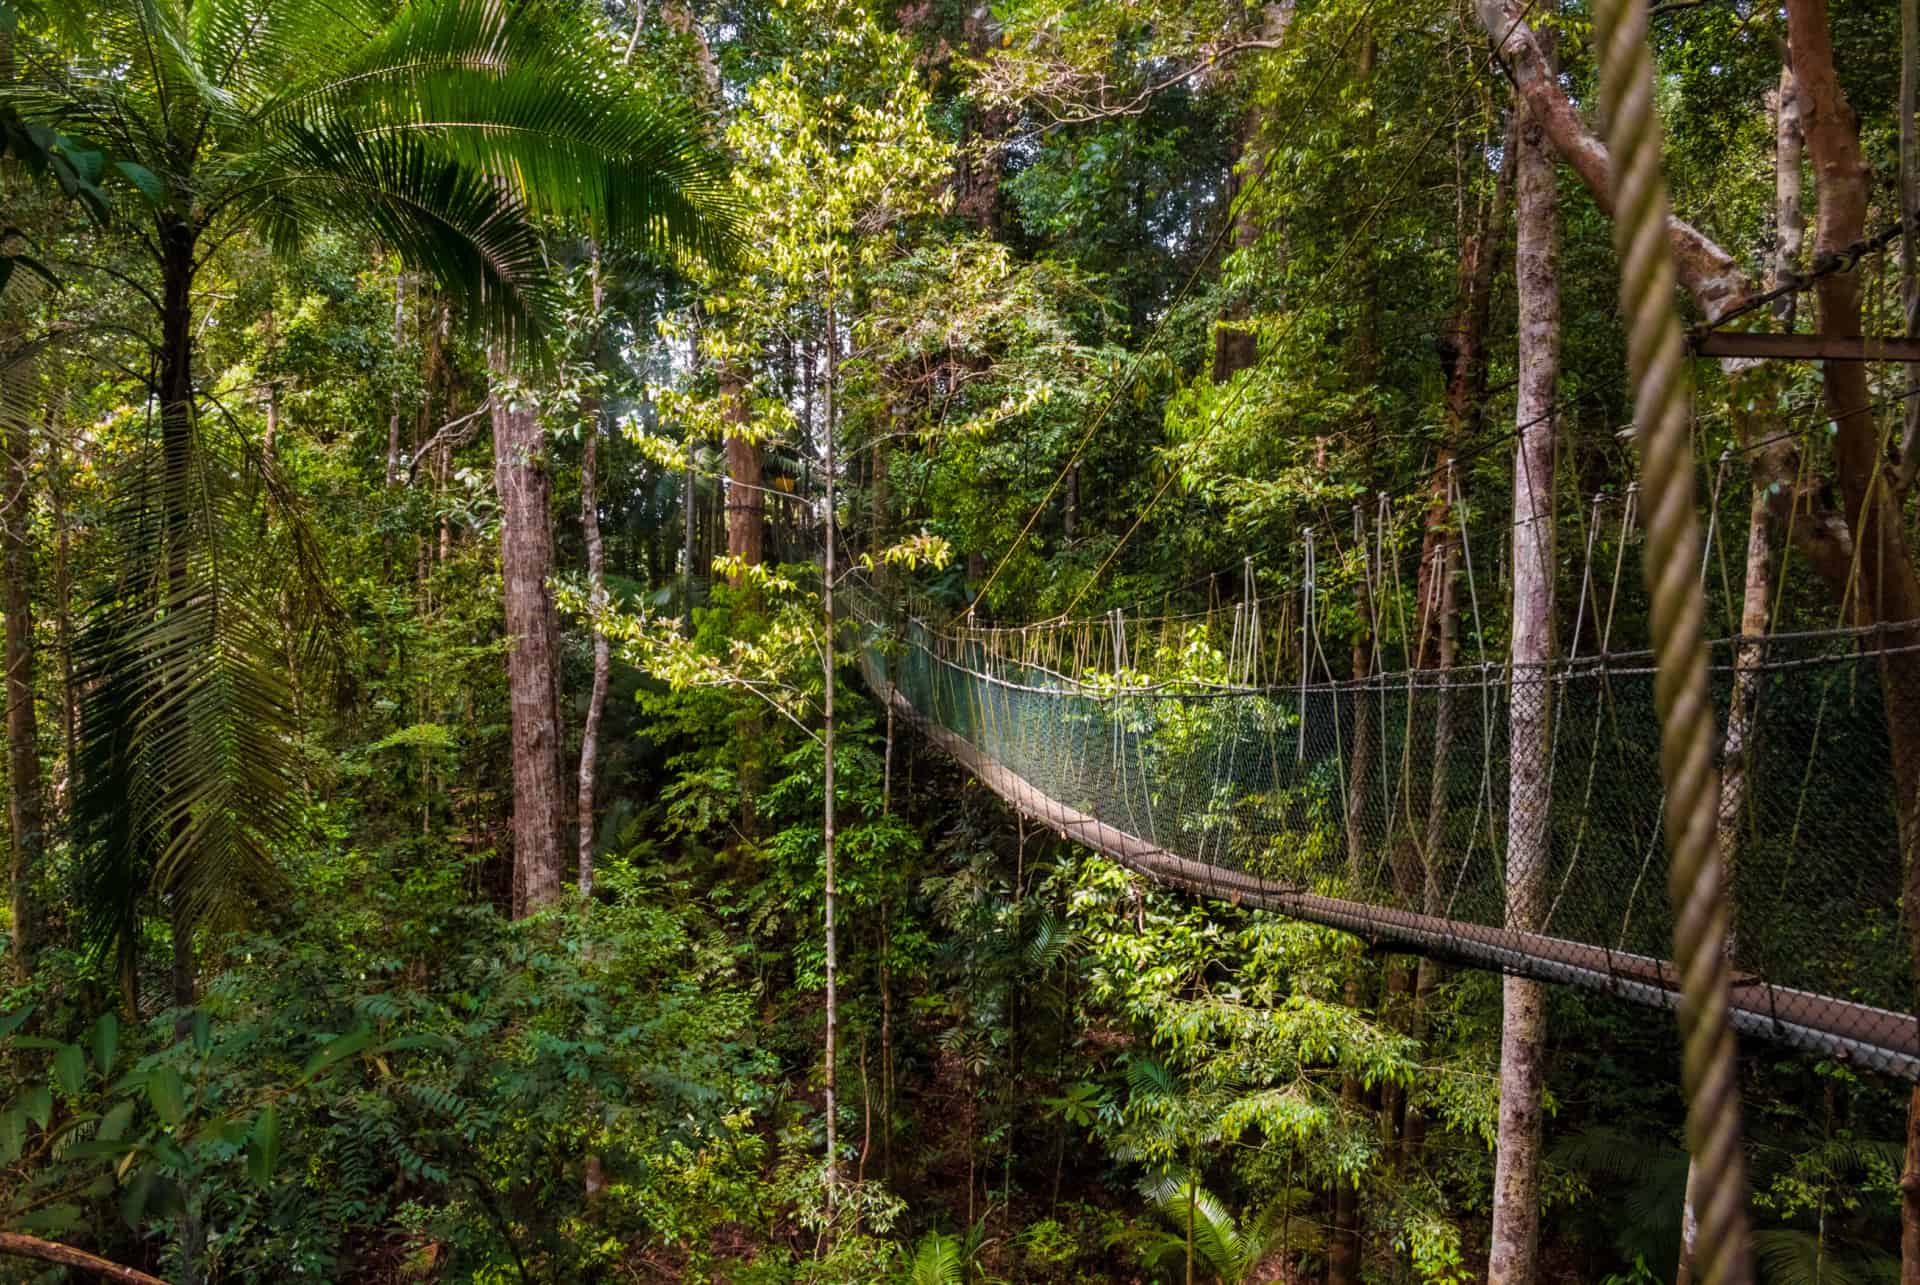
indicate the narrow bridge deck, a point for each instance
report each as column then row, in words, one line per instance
column 1872, row 1038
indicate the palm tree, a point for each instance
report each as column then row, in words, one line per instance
column 448, row 131
column 1208, row 1234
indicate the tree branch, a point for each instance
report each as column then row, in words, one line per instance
column 23, row 1246
column 1707, row 271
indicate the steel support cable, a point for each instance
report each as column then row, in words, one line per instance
column 1656, row 356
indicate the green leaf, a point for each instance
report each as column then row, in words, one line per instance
column 344, row 1046
column 144, row 179
column 11, row 1022
column 114, row 1124
column 169, row 1095
column 13, row 1132
column 106, row 1042
column 202, row 1032
column 263, row 1148
column 9, row 262
column 134, row 1202
column 54, row 1218
column 70, row 1069
column 37, row 1103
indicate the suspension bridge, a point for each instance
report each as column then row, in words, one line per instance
column 1380, row 806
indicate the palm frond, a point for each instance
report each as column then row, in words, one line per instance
column 937, row 1260
column 1791, row 1257
column 188, row 766
column 458, row 226
column 500, row 89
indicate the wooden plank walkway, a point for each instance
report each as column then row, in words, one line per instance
column 1874, row 1039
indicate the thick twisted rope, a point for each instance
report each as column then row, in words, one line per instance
column 1656, row 357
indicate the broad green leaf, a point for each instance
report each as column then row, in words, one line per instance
column 94, row 1147
column 11, row 1022
column 344, row 1046
column 53, row 1218
column 263, row 1148
column 9, row 262
column 13, row 1131
column 202, row 1031
column 106, row 1042
column 133, row 1202
column 114, row 1124
column 168, row 1095
column 70, row 1069
column 37, row 1104
column 144, row 179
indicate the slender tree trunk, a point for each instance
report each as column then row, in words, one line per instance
column 1436, row 615
column 268, row 440
column 526, row 563
column 1735, row 781
column 63, row 607
column 393, row 416
column 1909, row 114
column 602, row 658
column 26, row 805
column 1789, row 230
column 1885, row 587
column 826, row 736
column 1516, row 1184
column 746, row 535
column 746, row 502
column 597, row 593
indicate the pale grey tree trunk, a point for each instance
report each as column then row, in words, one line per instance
column 1789, row 239
column 1516, row 1186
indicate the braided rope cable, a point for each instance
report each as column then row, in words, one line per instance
column 1656, row 357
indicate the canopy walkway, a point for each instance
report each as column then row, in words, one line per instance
column 1379, row 806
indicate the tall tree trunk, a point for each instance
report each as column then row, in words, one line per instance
column 1757, row 594
column 526, row 562
column 597, row 596
column 1516, row 1185
column 1909, row 114
column 26, row 805
column 1436, row 616
column 1234, row 346
column 746, row 501
column 393, row 415
column 746, row 534
column 1885, row 587
column 826, row 735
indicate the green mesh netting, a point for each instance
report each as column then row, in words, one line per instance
column 1383, row 807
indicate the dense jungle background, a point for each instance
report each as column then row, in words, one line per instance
column 449, row 837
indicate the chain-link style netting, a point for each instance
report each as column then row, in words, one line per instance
column 1390, row 807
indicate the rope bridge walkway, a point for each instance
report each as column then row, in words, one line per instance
column 1379, row 806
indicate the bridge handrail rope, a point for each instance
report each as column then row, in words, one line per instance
column 1657, row 358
